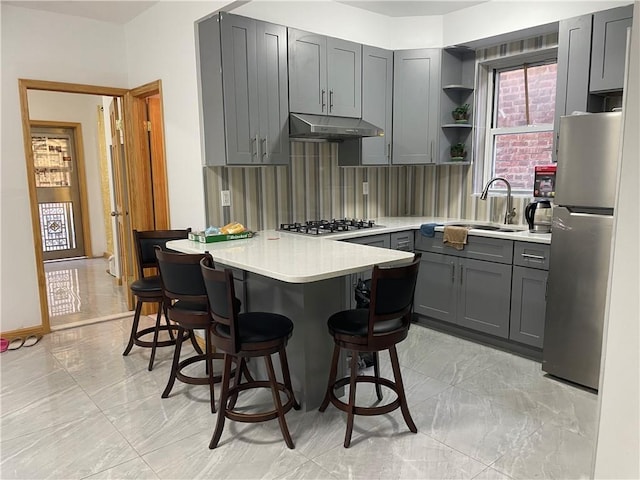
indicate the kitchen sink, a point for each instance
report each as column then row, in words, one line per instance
column 482, row 226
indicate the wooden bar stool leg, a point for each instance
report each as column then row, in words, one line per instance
column 174, row 364
column 395, row 364
column 166, row 319
column 222, row 408
column 194, row 342
column 284, row 364
column 237, row 379
column 245, row 370
column 352, row 398
column 278, row 402
column 156, row 331
column 134, row 327
column 209, row 363
column 333, row 371
column 376, row 372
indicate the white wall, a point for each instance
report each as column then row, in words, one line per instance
column 618, row 445
column 161, row 45
column 44, row 46
column 73, row 107
column 498, row 17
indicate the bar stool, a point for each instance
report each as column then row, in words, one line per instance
column 242, row 336
column 185, row 298
column 147, row 289
column 380, row 327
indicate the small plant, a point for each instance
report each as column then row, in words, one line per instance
column 458, row 152
column 461, row 114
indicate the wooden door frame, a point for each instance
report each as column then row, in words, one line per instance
column 138, row 210
column 82, row 179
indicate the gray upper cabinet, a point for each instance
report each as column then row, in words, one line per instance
column 608, row 48
column 574, row 54
column 325, row 75
column 416, row 90
column 377, row 103
column 243, row 80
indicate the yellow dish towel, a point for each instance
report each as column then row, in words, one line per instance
column 455, row 237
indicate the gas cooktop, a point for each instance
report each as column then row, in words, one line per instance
column 324, row 227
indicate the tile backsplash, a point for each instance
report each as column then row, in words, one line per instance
column 314, row 187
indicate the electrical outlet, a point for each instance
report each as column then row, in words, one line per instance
column 225, row 197
column 365, row 188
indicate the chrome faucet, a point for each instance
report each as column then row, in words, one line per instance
column 511, row 212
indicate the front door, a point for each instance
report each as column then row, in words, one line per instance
column 58, row 192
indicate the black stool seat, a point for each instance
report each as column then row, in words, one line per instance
column 243, row 336
column 379, row 327
column 148, row 289
column 356, row 323
column 256, row 327
column 148, row 285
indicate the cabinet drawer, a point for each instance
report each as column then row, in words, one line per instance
column 533, row 255
column 402, row 241
column 382, row 241
column 478, row 248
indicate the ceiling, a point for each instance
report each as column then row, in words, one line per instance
column 401, row 8
column 121, row 12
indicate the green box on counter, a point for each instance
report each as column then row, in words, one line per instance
column 202, row 238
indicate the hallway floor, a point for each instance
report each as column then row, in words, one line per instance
column 73, row 407
column 81, row 290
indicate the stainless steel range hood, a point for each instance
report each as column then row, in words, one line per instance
column 317, row 128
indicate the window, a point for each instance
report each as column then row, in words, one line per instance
column 520, row 133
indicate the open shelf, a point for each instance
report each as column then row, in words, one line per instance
column 457, row 125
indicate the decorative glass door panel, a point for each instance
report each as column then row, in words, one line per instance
column 57, row 192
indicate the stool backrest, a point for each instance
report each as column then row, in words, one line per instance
column 392, row 292
column 221, row 295
column 181, row 276
column 146, row 241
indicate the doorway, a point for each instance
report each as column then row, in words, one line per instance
column 143, row 214
column 57, row 158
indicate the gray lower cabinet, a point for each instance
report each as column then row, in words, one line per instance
column 572, row 84
column 244, row 91
column 528, row 304
column 529, row 293
column 466, row 292
column 608, row 52
column 416, row 90
column 325, row 75
column 437, row 291
column 402, row 241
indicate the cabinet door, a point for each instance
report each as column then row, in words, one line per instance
column 307, row 72
column 574, row 56
column 608, row 54
column 273, row 93
column 416, row 85
column 344, row 78
column 436, row 289
column 485, row 296
column 377, row 93
column 240, row 86
column 528, row 304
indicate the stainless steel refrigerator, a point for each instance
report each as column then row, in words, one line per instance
column 581, row 245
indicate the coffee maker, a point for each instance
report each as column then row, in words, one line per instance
column 538, row 216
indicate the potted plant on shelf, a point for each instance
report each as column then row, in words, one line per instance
column 461, row 114
column 458, row 153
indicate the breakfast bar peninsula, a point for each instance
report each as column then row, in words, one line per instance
column 305, row 278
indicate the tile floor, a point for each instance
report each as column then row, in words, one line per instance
column 73, row 407
column 81, row 290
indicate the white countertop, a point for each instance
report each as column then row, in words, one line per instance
column 293, row 258
column 298, row 258
column 397, row 224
